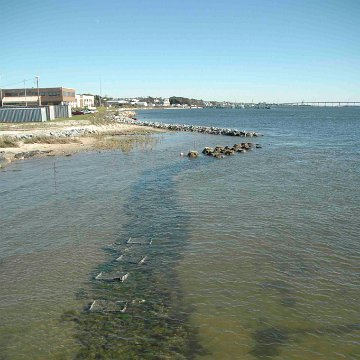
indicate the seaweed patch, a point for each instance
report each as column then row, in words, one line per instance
column 268, row 342
column 136, row 308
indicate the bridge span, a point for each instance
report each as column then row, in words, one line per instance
column 322, row 103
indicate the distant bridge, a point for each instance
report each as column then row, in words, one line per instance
column 322, row 103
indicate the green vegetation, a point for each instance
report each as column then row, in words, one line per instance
column 90, row 117
column 176, row 100
column 97, row 118
column 156, row 324
column 125, row 143
column 155, row 328
column 50, row 140
column 8, row 141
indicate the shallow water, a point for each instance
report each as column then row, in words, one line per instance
column 253, row 256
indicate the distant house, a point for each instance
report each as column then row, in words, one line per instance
column 141, row 103
column 84, row 101
column 117, row 102
column 166, row 102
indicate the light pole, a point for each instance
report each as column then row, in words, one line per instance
column 38, row 92
column 25, row 92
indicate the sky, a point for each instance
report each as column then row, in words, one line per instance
column 235, row 50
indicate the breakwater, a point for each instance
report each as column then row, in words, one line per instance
column 220, row 152
column 212, row 130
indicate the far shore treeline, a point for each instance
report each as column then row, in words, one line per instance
column 177, row 100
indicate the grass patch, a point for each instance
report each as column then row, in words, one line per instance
column 124, row 143
column 8, row 141
column 50, row 140
column 74, row 117
column 97, row 118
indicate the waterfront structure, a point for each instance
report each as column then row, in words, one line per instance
column 45, row 96
column 84, row 101
column 34, row 114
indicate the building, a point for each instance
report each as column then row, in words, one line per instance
column 47, row 96
column 141, row 103
column 117, row 102
column 20, row 101
column 84, row 101
column 166, row 102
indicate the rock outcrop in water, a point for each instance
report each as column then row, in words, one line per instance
column 193, row 154
column 188, row 128
column 220, row 152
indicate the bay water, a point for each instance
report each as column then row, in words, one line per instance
column 252, row 256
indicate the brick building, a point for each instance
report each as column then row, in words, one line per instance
column 48, row 96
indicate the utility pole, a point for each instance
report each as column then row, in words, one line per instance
column 1, row 96
column 38, row 92
column 25, row 92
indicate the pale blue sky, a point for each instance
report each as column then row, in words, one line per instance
column 235, row 50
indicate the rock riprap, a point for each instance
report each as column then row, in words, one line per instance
column 32, row 153
column 188, row 128
column 193, row 154
column 220, row 152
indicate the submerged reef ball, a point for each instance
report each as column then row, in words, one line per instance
column 208, row 151
column 220, row 152
column 193, row 154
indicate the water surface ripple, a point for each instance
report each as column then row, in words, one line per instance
column 255, row 256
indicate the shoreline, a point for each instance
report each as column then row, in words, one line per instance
column 68, row 137
column 100, row 131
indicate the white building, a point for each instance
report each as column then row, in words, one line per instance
column 119, row 102
column 166, row 102
column 84, row 101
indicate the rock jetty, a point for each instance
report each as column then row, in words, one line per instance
column 187, row 128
